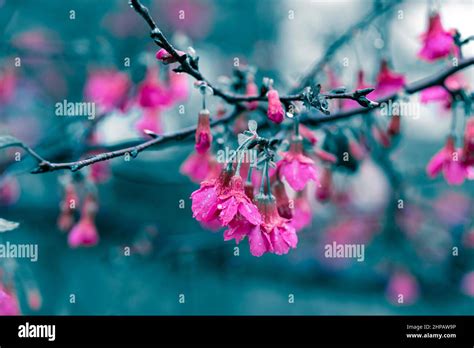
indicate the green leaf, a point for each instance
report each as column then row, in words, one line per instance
column 6, row 225
column 8, row 140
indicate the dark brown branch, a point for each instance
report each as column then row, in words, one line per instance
column 187, row 67
column 133, row 150
column 318, row 66
column 435, row 80
column 135, row 147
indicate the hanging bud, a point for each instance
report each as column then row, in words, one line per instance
column 394, row 125
column 275, row 110
column 325, row 189
column 251, row 91
column 380, row 136
column 282, row 201
column 203, row 132
column 308, row 134
column 468, row 148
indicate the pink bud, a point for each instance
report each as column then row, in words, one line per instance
column 166, row 57
column 203, row 132
column 252, row 91
column 275, row 110
column 325, row 189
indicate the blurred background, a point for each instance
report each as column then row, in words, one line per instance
column 145, row 205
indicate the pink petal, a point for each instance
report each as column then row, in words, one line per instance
column 228, row 208
column 435, row 165
column 259, row 243
column 251, row 213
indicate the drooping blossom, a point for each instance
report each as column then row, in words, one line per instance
column 437, row 42
column 468, row 239
column 223, row 199
column 468, row 146
column 9, row 191
column 307, row 134
column 8, row 302
column 325, row 189
column 380, row 136
column 34, row 299
column 349, row 104
column 295, row 167
column 282, row 200
column 166, row 57
column 251, row 90
column 448, row 161
column 402, row 288
column 199, row 167
column 302, row 215
column 151, row 92
column 108, row 88
column 84, row 233
column 394, row 125
column 150, row 120
column 439, row 94
column 99, row 172
column 8, row 82
column 178, row 86
column 203, row 132
column 273, row 235
column 68, row 206
column 388, row 82
column 467, row 284
column 357, row 149
column 275, row 110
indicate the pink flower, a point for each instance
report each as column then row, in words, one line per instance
column 440, row 94
column 437, row 43
column 349, row 104
column 224, row 199
column 308, row 134
column 203, row 132
column 448, row 161
column 302, row 216
column 199, row 167
column 394, row 125
column 275, row 110
column 100, row 172
column 84, row 233
column 150, row 120
column 8, row 82
column 252, row 91
column 34, row 299
column 9, row 191
column 282, row 200
column 467, row 284
column 8, row 302
column 388, row 82
column 381, row 136
column 66, row 218
column 357, row 149
column 235, row 201
column 274, row 234
column 296, row 168
column 325, row 189
column 108, row 88
column 151, row 93
column 402, row 288
column 468, row 147
column 166, row 57
column 178, row 86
